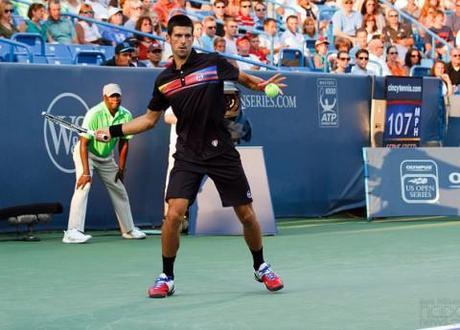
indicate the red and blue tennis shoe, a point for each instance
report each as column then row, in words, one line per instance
column 266, row 275
column 163, row 286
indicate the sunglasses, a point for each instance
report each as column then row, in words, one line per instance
column 8, row 11
column 348, row 2
column 247, row 6
column 156, row 51
column 212, row 27
column 363, row 58
column 88, row 12
column 393, row 53
column 415, row 55
column 344, row 58
column 456, row 55
column 261, row 9
column 392, row 15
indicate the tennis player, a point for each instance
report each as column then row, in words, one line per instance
column 193, row 85
column 92, row 156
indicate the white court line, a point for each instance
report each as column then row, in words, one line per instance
column 444, row 327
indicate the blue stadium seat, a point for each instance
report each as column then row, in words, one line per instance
column 74, row 49
column 58, row 54
column 89, row 57
column 33, row 40
column 4, row 51
column 420, row 71
column 109, row 51
column 291, row 57
column 311, row 45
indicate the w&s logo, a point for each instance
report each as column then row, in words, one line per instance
column 59, row 141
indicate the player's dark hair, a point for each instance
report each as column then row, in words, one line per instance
column 179, row 20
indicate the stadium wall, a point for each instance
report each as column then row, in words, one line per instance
column 312, row 137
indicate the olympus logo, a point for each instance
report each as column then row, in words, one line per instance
column 59, row 141
column 262, row 101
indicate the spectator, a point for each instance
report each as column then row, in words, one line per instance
column 453, row 20
column 343, row 44
column 209, row 26
column 306, row 9
column 426, row 17
column 218, row 10
column 233, row 8
column 260, row 10
column 162, row 8
column 413, row 57
column 114, row 35
column 123, row 55
column 147, row 8
column 270, row 39
column 320, row 61
column 87, row 32
column 36, row 14
column 255, row 49
column 346, row 21
column 291, row 38
column 371, row 7
column 361, row 42
column 60, row 30
column 7, row 26
column 453, row 69
column 397, row 33
column 309, row 29
column 134, row 42
column 377, row 58
column 394, row 63
column 197, row 32
column 343, row 59
column 155, row 53
column 220, row 45
column 231, row 30
column 144, row 24
column 370, row 25
column 412, row 9
column 134, row 14
column 439, row 70
column 99, row 8
column 243, row 50
column 71, row 6
column 361, row 62
column 245, row 18
column 442, row 31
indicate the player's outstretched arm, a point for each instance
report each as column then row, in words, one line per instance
column 258, row 84
column 137, row 125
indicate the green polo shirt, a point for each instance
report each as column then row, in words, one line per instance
column 99, row 117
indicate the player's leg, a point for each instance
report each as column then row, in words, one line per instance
column 78, row 204
column 107, row 170
column 184, row 182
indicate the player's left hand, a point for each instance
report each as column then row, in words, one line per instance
column 102, row 135
column 276, row 79
column 120, row 175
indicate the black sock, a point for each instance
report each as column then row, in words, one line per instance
column 258, row 257
column 168, row 266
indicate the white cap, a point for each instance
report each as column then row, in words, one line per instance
column 111, row 89
column 112, row 11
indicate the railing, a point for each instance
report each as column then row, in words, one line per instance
column 17, row 44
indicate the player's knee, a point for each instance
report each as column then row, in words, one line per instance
column 174, row 216
column 245, row 214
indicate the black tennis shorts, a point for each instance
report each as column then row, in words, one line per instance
column 225, row 170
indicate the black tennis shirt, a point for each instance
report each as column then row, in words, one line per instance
column 196, row 94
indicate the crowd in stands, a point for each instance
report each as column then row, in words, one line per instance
column 364, row 37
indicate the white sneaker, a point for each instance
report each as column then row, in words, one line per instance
column 75, row 236
column 134, row 234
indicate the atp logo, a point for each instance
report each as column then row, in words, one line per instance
column 328, row 110
column 59, row 141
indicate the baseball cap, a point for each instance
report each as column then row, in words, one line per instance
column 321, row 40
column 123, row 47
column 112, row 11
column 111, row 89
column 155, row 45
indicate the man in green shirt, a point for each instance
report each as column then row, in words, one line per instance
column 93, row 156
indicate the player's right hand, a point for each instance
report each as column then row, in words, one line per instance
column 102, row 135
column 83, row 180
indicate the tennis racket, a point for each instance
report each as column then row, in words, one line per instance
column 71, row 127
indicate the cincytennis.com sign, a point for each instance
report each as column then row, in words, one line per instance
column 258, row 101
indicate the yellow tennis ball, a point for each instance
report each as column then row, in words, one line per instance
column 272, row 90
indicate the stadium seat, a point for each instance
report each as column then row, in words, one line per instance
column 311, row 45
column 89, row 57
column 33, row 40
column 74, row 49
column 420, row 71
column 291, row 57
column 109, row 51
column 58, row 54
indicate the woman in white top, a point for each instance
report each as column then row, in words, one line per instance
column 87, row 32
